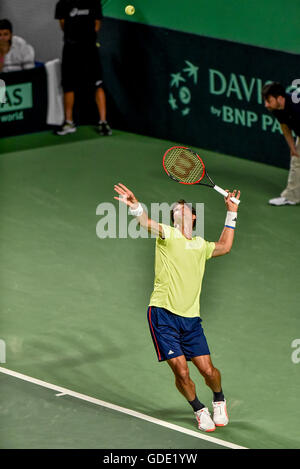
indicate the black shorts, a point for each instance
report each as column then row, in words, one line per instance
column 81, row 66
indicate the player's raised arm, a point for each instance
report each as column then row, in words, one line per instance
column 224, row 245
column 128, row 198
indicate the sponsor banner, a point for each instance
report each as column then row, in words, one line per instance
column 23, row 106
column 194, row 90
column 17, row 98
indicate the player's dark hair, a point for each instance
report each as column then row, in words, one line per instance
column 6, row 24
column 182, row 202
column 274, row 89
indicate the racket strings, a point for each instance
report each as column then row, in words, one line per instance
column 184, row 165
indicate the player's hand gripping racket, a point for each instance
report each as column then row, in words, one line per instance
column 183, row 165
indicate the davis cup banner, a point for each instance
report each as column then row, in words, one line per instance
column 195, row 90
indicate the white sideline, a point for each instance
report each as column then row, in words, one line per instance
column 133, row 413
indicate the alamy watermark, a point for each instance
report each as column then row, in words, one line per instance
column 295, row 357
column 296, row 92
column 2, row 351
column 119, row 224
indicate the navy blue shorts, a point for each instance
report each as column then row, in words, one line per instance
column 175, row 335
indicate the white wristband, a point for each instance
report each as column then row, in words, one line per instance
column 136, row 212
column 230, row 220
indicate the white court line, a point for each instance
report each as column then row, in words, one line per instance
column 117, row 408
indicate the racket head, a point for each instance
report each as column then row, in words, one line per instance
column 183, row 165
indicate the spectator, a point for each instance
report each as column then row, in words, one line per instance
column 15, row 53
column 287, row 112
column 81, row 20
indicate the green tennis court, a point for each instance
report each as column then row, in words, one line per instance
column 73, row 306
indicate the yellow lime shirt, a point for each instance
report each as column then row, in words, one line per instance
column 179, row 270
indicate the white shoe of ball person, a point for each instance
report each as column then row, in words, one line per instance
column 281, row 201
column 204, row 420
column 66, row 128
column 220, row 416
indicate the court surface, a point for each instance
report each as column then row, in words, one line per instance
column 73, row 306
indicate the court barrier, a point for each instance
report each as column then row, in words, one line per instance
column 195, row 90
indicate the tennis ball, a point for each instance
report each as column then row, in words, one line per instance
column 130, row 10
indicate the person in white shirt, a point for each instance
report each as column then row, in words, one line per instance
column 15, row 53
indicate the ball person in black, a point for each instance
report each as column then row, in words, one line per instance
column 81, row 20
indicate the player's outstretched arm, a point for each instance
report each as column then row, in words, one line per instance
column 224, row 245
column 127, row 197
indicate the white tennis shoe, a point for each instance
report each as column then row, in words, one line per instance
column 204, row 420
column 66, row 128
column 220, row 416
column 281, row 201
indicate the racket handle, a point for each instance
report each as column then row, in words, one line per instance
column 221, row 191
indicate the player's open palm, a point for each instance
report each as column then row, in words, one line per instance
column 126, row 196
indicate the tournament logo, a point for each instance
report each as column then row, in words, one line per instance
column 181, row 86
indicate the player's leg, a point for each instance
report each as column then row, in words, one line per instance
column 165, row 331
column 211, row 374
column 195, row 348
column 212, row 378
column 183, row 381
column 187, row 388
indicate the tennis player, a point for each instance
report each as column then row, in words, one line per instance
column 174, row 312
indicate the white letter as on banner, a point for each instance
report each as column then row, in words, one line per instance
column 2, row 92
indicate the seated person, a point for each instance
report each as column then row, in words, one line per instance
column 15, row 53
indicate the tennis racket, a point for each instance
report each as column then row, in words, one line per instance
column 183, row 165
